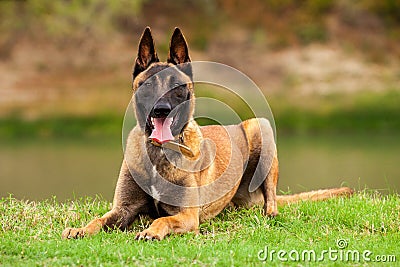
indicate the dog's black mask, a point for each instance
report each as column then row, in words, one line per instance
column 163, row 92
column 163, row 102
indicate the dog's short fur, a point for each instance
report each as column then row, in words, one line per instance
column 237, row 153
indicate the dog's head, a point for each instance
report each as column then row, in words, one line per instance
column 163, row 91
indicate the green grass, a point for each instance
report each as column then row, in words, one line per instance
column 30, row 234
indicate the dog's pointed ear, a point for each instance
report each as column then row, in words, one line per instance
column 179, row 53
column 146, row 53
column 178, row 49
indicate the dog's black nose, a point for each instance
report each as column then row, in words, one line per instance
column 162, row 109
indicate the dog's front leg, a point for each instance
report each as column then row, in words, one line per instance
column 93, row 227
column 129, row 201
column 185, row 221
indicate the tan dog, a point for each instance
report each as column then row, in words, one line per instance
column 178, row 172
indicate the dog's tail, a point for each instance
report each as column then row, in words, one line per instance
column 316, row 195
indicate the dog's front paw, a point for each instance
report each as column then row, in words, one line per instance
column 148, row 234
column 70, row 233
column 157, row 230
column 271, row 210
column 273, row 214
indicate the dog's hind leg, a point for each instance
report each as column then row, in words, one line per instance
column 269, row 189
column 263, row 162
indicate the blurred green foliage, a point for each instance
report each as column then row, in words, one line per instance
column 66, row 127
column 389, row 10
column 371, row 113
column 61, row 19
column 311, row 33
column 76, row 20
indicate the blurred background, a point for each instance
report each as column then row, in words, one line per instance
column 328, row 68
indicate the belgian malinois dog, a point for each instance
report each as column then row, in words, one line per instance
column 182, row 174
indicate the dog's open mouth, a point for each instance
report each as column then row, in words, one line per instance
column 161, row 129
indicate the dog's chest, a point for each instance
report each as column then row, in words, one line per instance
column 157, row 194
column 162, row 174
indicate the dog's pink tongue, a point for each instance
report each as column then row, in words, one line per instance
column 162, row 130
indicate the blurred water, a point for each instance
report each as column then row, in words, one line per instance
column 68, row 169
column 65, row 169
column 370, row 161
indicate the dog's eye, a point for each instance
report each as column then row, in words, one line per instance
column 147, row 84
column 180, row 93
column 177, row 85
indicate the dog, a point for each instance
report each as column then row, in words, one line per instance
column 182, row 174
